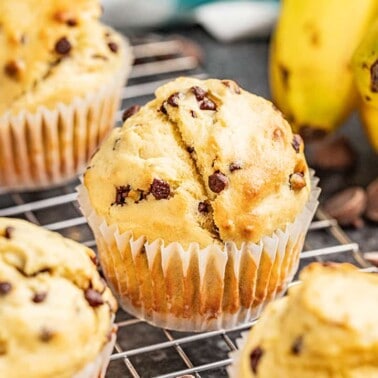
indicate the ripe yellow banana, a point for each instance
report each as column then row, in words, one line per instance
column 310, row 63
column 365, row 68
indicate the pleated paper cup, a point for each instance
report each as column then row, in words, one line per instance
column 51, row 146
column 198, row 289
column 97, row 368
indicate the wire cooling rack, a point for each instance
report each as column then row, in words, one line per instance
column 142, row 350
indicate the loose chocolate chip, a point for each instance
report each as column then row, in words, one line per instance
column 374, row 76
column 347, row 206
column 46, row 335
column 297, row 346
column 93, row 297
column 71, row 22
column 173, row 99
column 255, row 358
column 121, row 194
column 193, row 114
column 13, row 68
column 297, row 142
column 217, row 182
column 160, row 189
column 198, row 92
column 130, row 112
column 297, row 181
column 163, row 109
column 39, row 297
column 207, row 104
column 63, row 46
column 190, row 149
column 113, row 47
column 232, row 85
column 204, row 207
column 234, row 167
column 372, row 201
column 5, row 288
column 8, row 232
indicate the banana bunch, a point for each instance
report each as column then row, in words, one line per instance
column 311, row 75
column 365, row 68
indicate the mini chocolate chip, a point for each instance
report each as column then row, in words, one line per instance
column 297, row 181
column 13, row 68
column 232, row 85
column 207, row 104
column 46, row 335
column 163, row 109
column 113, row 47
column 130, row 112
column 374, row 76
column 173, row 99
column 217, row 182
column 297, row 142
column 93, row 297
column 39, row 297
column 160, row 189
column 193, row 114
column 142, row 195
column 121, row 194
column 5, row 287
column 204, row 207
column 234, row 167
column 71, row 22
column 255, row 357
column 297, row 346
column 190, row 149
column 198, row 92
column 8, row 232
column 63, row 46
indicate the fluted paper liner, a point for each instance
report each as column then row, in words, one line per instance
column 97, row 368
column 52, row 146
column 198, row 289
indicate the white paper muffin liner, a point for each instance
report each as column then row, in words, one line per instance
column 194, row 289
column 51, row 146
column 97, row 368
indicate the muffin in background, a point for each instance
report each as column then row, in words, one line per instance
column 56, row 312
column 325, row 327
column 61, row 75
column 199, row 204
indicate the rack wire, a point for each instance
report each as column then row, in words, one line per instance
column 142, row 350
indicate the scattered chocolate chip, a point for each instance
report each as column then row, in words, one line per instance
column 63, row 46
column 13, row 68
column 297, row 142
column 372, row 201
column 8, row 232
column 190, row 149
column 372, row 257
column 232, row 85
column 173, row 99
column 160, row 189
column 374, row 76
column 297, row 346
column 113, row 47
column 121, row 194
column 347, row 206
column 198, row 92
column 207, row 104
column 46, row 335
column 39, row 297
column 297, row 181
column 71, row 22
column 217, row 182
column 234, row 167
column 335, row 154
column 130, row 112
column 193, row 114
column 255, row 357
column 163, row 109
column 204, row 207
column 93, row 297
column 5, row 288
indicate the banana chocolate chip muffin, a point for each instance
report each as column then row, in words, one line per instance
column 325, row 327
column 61, row 73
column 211, row 194
column 55, row 310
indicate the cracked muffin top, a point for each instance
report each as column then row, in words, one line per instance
column 204, row 162
column 54, row 51
column 325, row 327
column 55, row 310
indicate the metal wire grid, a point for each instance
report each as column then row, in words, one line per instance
column 142, row 350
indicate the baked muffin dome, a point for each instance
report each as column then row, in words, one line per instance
column 204, row 162
column 54, row 51
column 325, row 327
column 56, row 311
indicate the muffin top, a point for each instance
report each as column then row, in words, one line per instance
column 326, row 327
column 56, row 311
column 54, row 51
column 204, row 162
